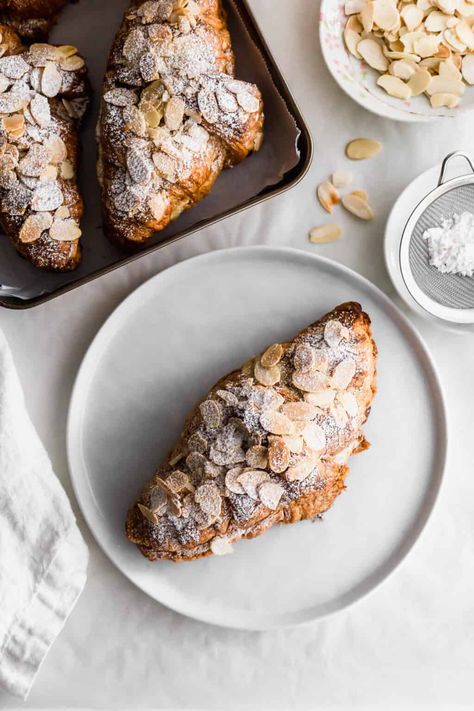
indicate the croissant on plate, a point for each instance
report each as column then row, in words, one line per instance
column 31, row 18
column 44, row 93
column 269, row 444
column 173, row 115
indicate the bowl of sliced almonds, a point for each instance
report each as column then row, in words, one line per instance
column 409, row 60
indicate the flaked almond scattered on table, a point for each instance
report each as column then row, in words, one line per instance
column 422, row 47
column 325, row 233
column 328, row 196
column 358, row 206
column 363, row 148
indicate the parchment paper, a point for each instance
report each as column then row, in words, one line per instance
column 91, row 27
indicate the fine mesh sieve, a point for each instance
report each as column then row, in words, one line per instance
column 447, row 296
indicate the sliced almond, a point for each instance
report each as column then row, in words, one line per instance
column 328, row 196
column 309, row 382
column 436, row 21
column 65, row 231
column 349, row 402
column 325, row 233
column 323, row 399
column 453, row 41
column 386, row 15
column 419, row 82
column 14, row 125
column 209, row 498
column 351, row 40
column 34, row 226
column 446, row 6
column 65, row 50
column 408, row 39
column 56, row 148
column 67, row 170
column 341, row 178
column 447, row 68
column 267, row 376
column 343, row 373
column 372, row 53
column 276, row 423
column 270, row 494
column 220, row 545
column 430, row 63
column 272, row 356
column 211, row 413
column 443, row 51
column 299, row 410
column 314, row 436
column 363, row 194
column 251, row 480
column 426, row 46
column 72, row 64
column 465, row 34
column 174, row 113
column 354, row 25
column 278, row 456
column 412, row 16
column 468, row 68
column 301, row 470
column 257, row 457
column 402, row 68
column 148, row 514
column 294, row 444
column 363, row 148
column 394, row 86
column 51, row 80
column 304, row 359
column 465, row 9
column 353, row 7
column 367, row 14
column 402, row 55
column 334, row 333
column 232, row 481
column 445, row 85
column 358, row 207
column 448, row 100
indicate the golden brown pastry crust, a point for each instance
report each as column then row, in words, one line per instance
column 173, row 116
column 45, row 94
column 252, row 454
column 32, row 19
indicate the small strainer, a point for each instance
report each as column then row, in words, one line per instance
column 447, row 296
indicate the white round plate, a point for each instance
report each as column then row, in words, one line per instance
column 408, row 200
column 359, row 80
column 162, row 349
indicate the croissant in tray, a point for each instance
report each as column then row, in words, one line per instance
column 269, row 444
column 43, row 96
column 31, row 18
column 173, row 116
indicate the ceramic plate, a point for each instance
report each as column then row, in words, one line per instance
column 163, row 348
column 359, row 80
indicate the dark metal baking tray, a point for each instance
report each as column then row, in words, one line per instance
column 95, row 243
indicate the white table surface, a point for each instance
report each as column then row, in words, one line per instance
column 408, row 645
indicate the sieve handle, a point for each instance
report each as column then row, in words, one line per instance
column 456, row 154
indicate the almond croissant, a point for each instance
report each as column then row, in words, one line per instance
column 32, row 19
column 43, row 96
column 173, row 116
column 269, row 444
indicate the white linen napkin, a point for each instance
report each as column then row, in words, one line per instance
column 43, row 558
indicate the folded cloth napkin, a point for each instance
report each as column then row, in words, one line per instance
column 43, row 558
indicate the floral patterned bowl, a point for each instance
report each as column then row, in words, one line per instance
column 358, row 80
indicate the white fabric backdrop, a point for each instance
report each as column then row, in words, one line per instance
column 408, row 645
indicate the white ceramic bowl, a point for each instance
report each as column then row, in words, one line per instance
column 358, row 80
